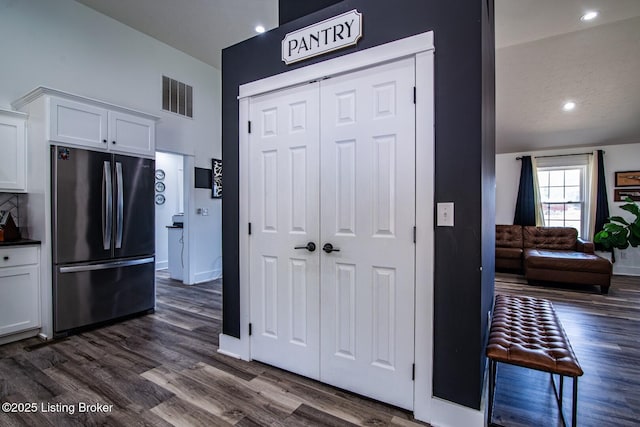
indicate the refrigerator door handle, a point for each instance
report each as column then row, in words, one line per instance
column 107, row 207
column 106, row 265
column 120, row 205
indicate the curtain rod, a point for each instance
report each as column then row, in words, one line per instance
column 559, row 155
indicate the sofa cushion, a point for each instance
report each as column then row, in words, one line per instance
column 515, row 253
column 565, row 260
column 508, row 236
column 557, row 238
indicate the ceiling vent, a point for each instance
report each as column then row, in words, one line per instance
column 177, row 97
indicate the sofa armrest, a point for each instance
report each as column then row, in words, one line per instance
column 584, row 246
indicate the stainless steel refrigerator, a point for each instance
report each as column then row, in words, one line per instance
column 103, row 222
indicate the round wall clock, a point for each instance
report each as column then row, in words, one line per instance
column 160, row 199
column 160, row 187
column 160, row 174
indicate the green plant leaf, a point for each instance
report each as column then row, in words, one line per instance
column 618, row 232
column 618, row 219
column 612, row 228
column 631, row 207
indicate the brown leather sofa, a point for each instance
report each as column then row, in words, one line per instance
column 551, row 254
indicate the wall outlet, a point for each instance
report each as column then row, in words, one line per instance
column 205, row 211
column 623, row 255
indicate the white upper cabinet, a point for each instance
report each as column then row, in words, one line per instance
column 131, row 134
column 77, row 123
column 94, row 124
column 13, row 146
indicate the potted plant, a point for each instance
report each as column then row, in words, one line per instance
column 619, row 233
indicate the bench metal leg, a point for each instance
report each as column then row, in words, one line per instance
column 561, row 392
column 559, row 395
column 574, row 409
column 492, row 385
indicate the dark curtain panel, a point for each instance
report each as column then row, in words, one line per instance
column 602, row 204
column 526, row 203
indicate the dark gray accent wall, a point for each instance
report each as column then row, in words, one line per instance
column 290, row 10
column 464, row 173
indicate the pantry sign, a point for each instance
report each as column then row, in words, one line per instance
column 326, row 36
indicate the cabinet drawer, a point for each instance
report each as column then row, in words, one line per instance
column 14, row 256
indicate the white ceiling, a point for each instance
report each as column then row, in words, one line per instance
column 200, row 28
column 545, row 55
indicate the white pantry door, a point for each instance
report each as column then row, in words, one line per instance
column 368, row 212
column 284, row 209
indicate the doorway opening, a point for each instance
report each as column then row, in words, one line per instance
column 172, row 254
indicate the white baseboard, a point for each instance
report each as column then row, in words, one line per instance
column 233, row 347
column 449, row 414
column 626, row 270
column 161, row 265
column 19, row 336
column 206, row 276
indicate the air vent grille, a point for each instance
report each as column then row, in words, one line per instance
column 177, row 97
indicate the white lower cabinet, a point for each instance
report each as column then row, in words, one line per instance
column 19, row 290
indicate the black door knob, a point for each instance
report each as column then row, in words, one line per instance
column 328, row 248
column 6, row 258
column 310, row 247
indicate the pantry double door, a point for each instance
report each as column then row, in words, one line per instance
column 332, row 212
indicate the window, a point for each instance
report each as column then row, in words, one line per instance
column 562, row 192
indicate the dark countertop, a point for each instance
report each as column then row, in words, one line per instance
column 21, row 242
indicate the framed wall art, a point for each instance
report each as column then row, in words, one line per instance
column 216, row 178
column 620, row 194
column 628, row 179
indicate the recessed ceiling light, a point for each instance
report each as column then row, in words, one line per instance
column 260, row 29
column 569, row 106
column 589, row 16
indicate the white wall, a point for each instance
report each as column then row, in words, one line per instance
column 68, row 46
column 617, row 158
column 171, row 164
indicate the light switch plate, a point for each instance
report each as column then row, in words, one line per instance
column 445, row 215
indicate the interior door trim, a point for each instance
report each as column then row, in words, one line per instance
column 391, row 51
column 423, row 48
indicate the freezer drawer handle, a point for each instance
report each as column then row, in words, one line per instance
column 105, row 266
column 107, row 206
column 120, row 205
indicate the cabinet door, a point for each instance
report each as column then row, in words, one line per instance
column 13, row 147
column 77, row 123
column 131, row 135
column 19, row 288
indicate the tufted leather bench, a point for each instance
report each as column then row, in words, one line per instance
column 526, row 332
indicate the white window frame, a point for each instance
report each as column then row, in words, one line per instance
column 582, row 163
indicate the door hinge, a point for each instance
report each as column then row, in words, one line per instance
column 413, row 372
column 250, row 329
column 414, row 234
column 249, row 229
column 249, row 126
column 414, row 94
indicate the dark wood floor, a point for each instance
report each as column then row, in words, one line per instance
column 604, row 331
column 163, row 369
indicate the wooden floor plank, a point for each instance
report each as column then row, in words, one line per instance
column 164, row 369
column 178, row 412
